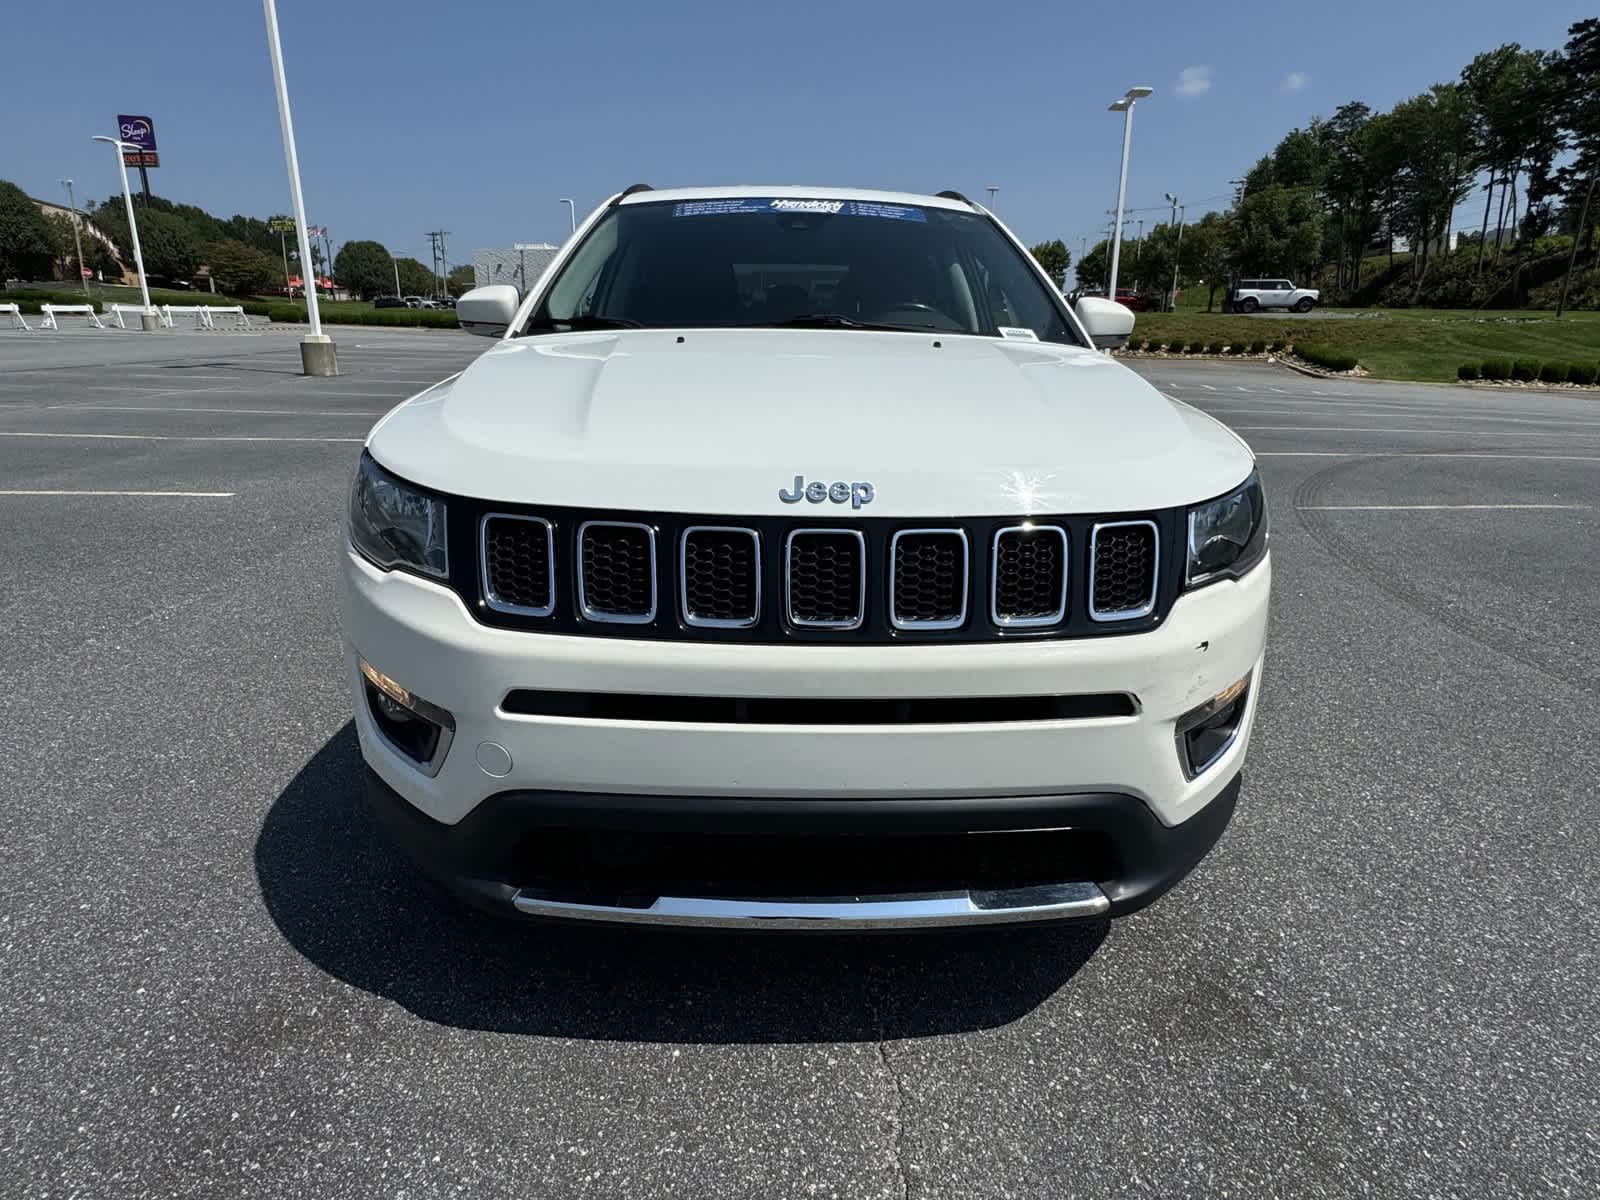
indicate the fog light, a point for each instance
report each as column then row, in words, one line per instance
column 1205, row 733
column 417, row 729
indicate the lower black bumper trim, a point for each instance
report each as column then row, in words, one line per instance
column 478, row 858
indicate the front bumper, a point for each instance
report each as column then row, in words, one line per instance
column 1116, row 777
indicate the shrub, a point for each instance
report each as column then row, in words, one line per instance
column 1326, row 357
column 1176, row 345
column 1232, row 349
column 427, row 318
column 1583, row 373
column 1275, row 346
column 1258, row 347
column 1467, row 371
column 1496, row 368
column 1197, row 347
column 1525, row 370
column 1554, row 373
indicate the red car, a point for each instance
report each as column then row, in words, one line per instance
column 1137, row 301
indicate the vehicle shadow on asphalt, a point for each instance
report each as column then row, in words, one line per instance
column 355, row 907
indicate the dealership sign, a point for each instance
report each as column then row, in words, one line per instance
column 141, row 132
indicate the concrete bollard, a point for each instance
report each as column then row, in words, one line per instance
column 318, row 355
column 150, row 322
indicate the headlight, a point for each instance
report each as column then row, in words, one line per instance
column 1227, row 536
column 395, row 525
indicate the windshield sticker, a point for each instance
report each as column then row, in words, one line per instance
column 827, row 208
column 1022, row 335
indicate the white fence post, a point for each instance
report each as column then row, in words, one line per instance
column 15, row 312
column 50, row 311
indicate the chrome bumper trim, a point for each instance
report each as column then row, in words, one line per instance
column 1050, row 902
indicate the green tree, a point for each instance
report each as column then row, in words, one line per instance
column 1094, row 268
column 171, row 248
column 1277, row 230
column 415, row 279
column 1208, row 253
column 1054, row 257
column 1575, row 77
column 240, row 269
column 461, row 279
column 365, row 268
column 63, row 247
column 26, row 245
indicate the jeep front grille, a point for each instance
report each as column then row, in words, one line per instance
column 928, row 579
column 719, row 576
column 1122, row 570
column 617, row 572
column 1028, row 584
column 763, row 579
column 826, row 580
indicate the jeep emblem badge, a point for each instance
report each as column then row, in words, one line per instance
column 840, row 492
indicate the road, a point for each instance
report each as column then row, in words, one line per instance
column 216, row 980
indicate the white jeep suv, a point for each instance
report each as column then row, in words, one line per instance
column 794, row 560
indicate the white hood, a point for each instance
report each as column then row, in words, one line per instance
column 718, row 421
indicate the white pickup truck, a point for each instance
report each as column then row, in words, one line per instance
column 794, row 560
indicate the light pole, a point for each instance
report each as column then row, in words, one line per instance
column 148, row 321
column 572, row 214
column 395, row 263
column 318, row 355
column 993, row 191
column 1177, row 216
column 1125, row 107
column 77, row 240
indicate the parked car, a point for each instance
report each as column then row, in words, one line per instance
column 415, row 302
column 1252, row 295
column 390, row 302
column 1129, row 298
column 913, row 609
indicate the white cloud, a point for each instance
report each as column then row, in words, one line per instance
column 1193, row 81
column 1294, row 81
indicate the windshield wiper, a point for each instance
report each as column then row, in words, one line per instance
column 577, row 324
column 835, row 321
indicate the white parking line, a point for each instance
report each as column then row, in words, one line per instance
column 1432, row 507
column 1564, row 434
column 248, row 412
column 173, row 437
column 1422, row 454
column 63, row 492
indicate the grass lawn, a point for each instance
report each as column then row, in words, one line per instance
column 1424, row 344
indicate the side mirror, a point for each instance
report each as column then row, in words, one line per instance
column 488, row 311
column 1106, row 322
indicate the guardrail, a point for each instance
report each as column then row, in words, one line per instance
column 50, row 311
column 204, row 315
column 14, row 311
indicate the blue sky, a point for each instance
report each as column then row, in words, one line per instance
column 477, row 116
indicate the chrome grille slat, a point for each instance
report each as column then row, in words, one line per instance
column 617, row 572
column 928, row 576
column 1028, row 572
column 1124, row 570
column 719, row 576
column 825, row 578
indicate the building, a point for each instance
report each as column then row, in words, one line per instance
column 81, row 219
column 520, row 265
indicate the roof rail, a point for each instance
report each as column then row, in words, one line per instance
column 630, row 190
column 955, row 195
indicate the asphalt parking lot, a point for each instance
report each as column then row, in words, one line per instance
column 216, row 980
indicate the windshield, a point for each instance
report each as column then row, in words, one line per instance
column 750, row 261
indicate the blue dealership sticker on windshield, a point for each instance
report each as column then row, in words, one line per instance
column 785, row 204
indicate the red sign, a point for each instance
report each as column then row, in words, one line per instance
column 85, row 272
column 141, row 158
